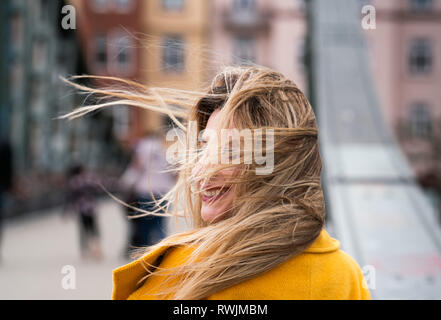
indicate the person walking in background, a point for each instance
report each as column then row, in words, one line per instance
column 5, row 179
column 144, row 181
column 81, row 199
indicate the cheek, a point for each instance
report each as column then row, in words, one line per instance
column 227, row 175
column 215, row 211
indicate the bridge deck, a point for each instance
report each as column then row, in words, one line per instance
column 375, row 207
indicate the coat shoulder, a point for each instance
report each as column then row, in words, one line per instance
column 337, row 275
column 309, row 276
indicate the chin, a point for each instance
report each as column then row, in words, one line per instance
column 210, row 215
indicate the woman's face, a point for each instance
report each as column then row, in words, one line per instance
column 217, row 196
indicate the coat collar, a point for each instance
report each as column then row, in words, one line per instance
column 125, row 278
column 323, row 243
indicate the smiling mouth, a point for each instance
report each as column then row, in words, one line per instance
column 213, row 194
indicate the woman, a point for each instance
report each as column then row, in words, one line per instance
column 256, row 235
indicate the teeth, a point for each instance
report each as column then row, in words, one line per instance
column 209, row 193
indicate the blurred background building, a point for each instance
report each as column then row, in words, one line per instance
column 35, row 52
column 107, row 31
column 405, row 48
column 269, row 33
column 175, row 38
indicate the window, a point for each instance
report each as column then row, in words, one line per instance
column 120, row 6
column 40, row 53
column 244, row 5
column 122, row 53
column 172, row 5
column 38, row 99
column 16, row 25
column 121, row 121
column 173, row 54
column 44, row 10
column 420, row 123
column 123, row 6
column 420, row 57
column 16, row 79
column 100, row 51
column 300, row 4
column 244, row 50
column 100, row 6
column 421, row 5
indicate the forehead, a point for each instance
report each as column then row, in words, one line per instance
column 213, row 120
column 212, row 124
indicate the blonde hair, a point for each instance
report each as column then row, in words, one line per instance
column 275, row 216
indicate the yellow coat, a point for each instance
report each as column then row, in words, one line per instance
column 322, row 271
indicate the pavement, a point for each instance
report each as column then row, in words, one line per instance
column 40, row 256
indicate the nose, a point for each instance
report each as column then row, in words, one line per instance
column 198, row 172
column 203, row 161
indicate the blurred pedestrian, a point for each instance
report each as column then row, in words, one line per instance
column 81, row 199
column 5, row 179
column 145, row 181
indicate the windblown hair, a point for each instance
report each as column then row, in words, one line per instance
column 275, row 216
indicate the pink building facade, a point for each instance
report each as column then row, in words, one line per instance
column 266, row 32
column 405, row 51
